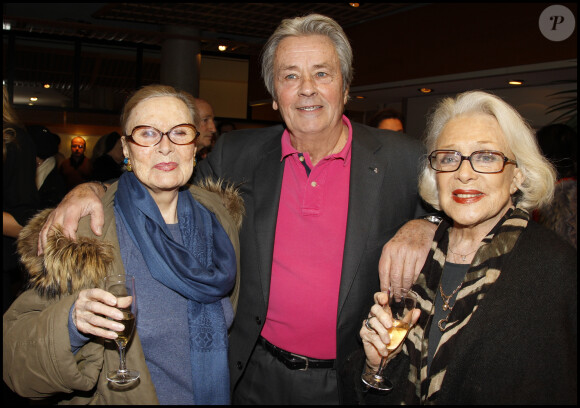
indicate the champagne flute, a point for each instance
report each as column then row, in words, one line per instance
column 401, row 309
column 123, row 287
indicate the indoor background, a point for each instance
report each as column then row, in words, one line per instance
column 70, row 66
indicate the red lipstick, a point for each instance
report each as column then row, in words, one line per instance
column 467, row 196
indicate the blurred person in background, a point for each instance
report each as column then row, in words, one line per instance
column 207, row 129
column 49, row 181
column 20, row 197
column 108, row 164
column 389, row 119
column 77, row 169
column 559, row 143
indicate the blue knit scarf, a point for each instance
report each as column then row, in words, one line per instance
column 203, row 270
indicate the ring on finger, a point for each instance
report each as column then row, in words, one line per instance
column 368, row 325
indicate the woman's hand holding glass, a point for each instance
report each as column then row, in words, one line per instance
column 123, row 287
column 379, row 345
column 98, row 312
column 93, row 311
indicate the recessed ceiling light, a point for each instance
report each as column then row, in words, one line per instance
column 33, row 99
column 354, row 4
column 516, row 82
column 46, row 86
column 222, row 47
column 425, row 90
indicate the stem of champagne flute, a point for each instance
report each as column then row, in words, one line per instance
column 122, row 365
column 382, row 365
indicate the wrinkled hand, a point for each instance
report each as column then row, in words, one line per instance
column 84, row 199
column 90, row 312
column 375, row 341
column 404, row 255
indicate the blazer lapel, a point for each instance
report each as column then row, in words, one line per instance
column 366, row 176
column 267, row 187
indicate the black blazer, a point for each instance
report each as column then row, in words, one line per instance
column 383, row 196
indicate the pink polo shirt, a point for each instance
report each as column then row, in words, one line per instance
column 308, row 250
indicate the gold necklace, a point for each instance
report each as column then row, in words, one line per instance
column 463, row 257
column 446, row 305
column 446, row 299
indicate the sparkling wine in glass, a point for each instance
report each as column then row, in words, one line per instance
column 401, row 308
column 123, row 287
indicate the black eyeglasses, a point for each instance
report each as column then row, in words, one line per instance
column 482, row 161
column 148, row 136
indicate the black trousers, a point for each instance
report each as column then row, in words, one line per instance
column 267, row 381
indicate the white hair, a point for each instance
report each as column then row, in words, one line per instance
column 537, row 187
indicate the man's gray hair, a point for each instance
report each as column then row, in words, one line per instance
column 312, row 24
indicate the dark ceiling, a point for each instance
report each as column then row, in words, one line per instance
column 245, row 25
column 450, row 47
column 257, row 20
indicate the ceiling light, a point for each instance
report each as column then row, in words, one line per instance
column 360, row 97
column 33, row 99
column 222, row 44
column 354, row 4
column 425, row 90
column 46, row 86
column 516, row 82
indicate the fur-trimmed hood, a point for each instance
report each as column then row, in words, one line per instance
column 68, row 266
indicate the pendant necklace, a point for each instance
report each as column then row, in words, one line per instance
column 446, row 305
column 463, row 257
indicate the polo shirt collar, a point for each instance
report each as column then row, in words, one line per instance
column 288, row 149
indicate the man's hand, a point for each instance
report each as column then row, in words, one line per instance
column 84, row 199
column 404, row 255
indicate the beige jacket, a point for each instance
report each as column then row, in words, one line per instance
column 37, row 358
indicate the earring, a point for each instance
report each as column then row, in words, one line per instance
column 127, row 164
column 194, row 162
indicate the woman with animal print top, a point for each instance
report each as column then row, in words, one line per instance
column 497, row 293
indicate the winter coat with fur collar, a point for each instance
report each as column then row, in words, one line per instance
column 37, row 358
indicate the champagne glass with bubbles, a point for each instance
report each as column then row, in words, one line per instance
column 401, row 309
column 123, row 287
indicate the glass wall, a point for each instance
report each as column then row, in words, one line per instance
column 70, row 74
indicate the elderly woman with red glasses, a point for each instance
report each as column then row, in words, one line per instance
column 497, row 294
column 182, row 246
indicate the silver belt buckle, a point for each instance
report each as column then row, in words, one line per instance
column 303, row 358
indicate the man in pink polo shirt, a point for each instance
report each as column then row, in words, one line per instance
column 323, row 195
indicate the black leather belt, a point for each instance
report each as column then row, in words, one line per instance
column 295, row 361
